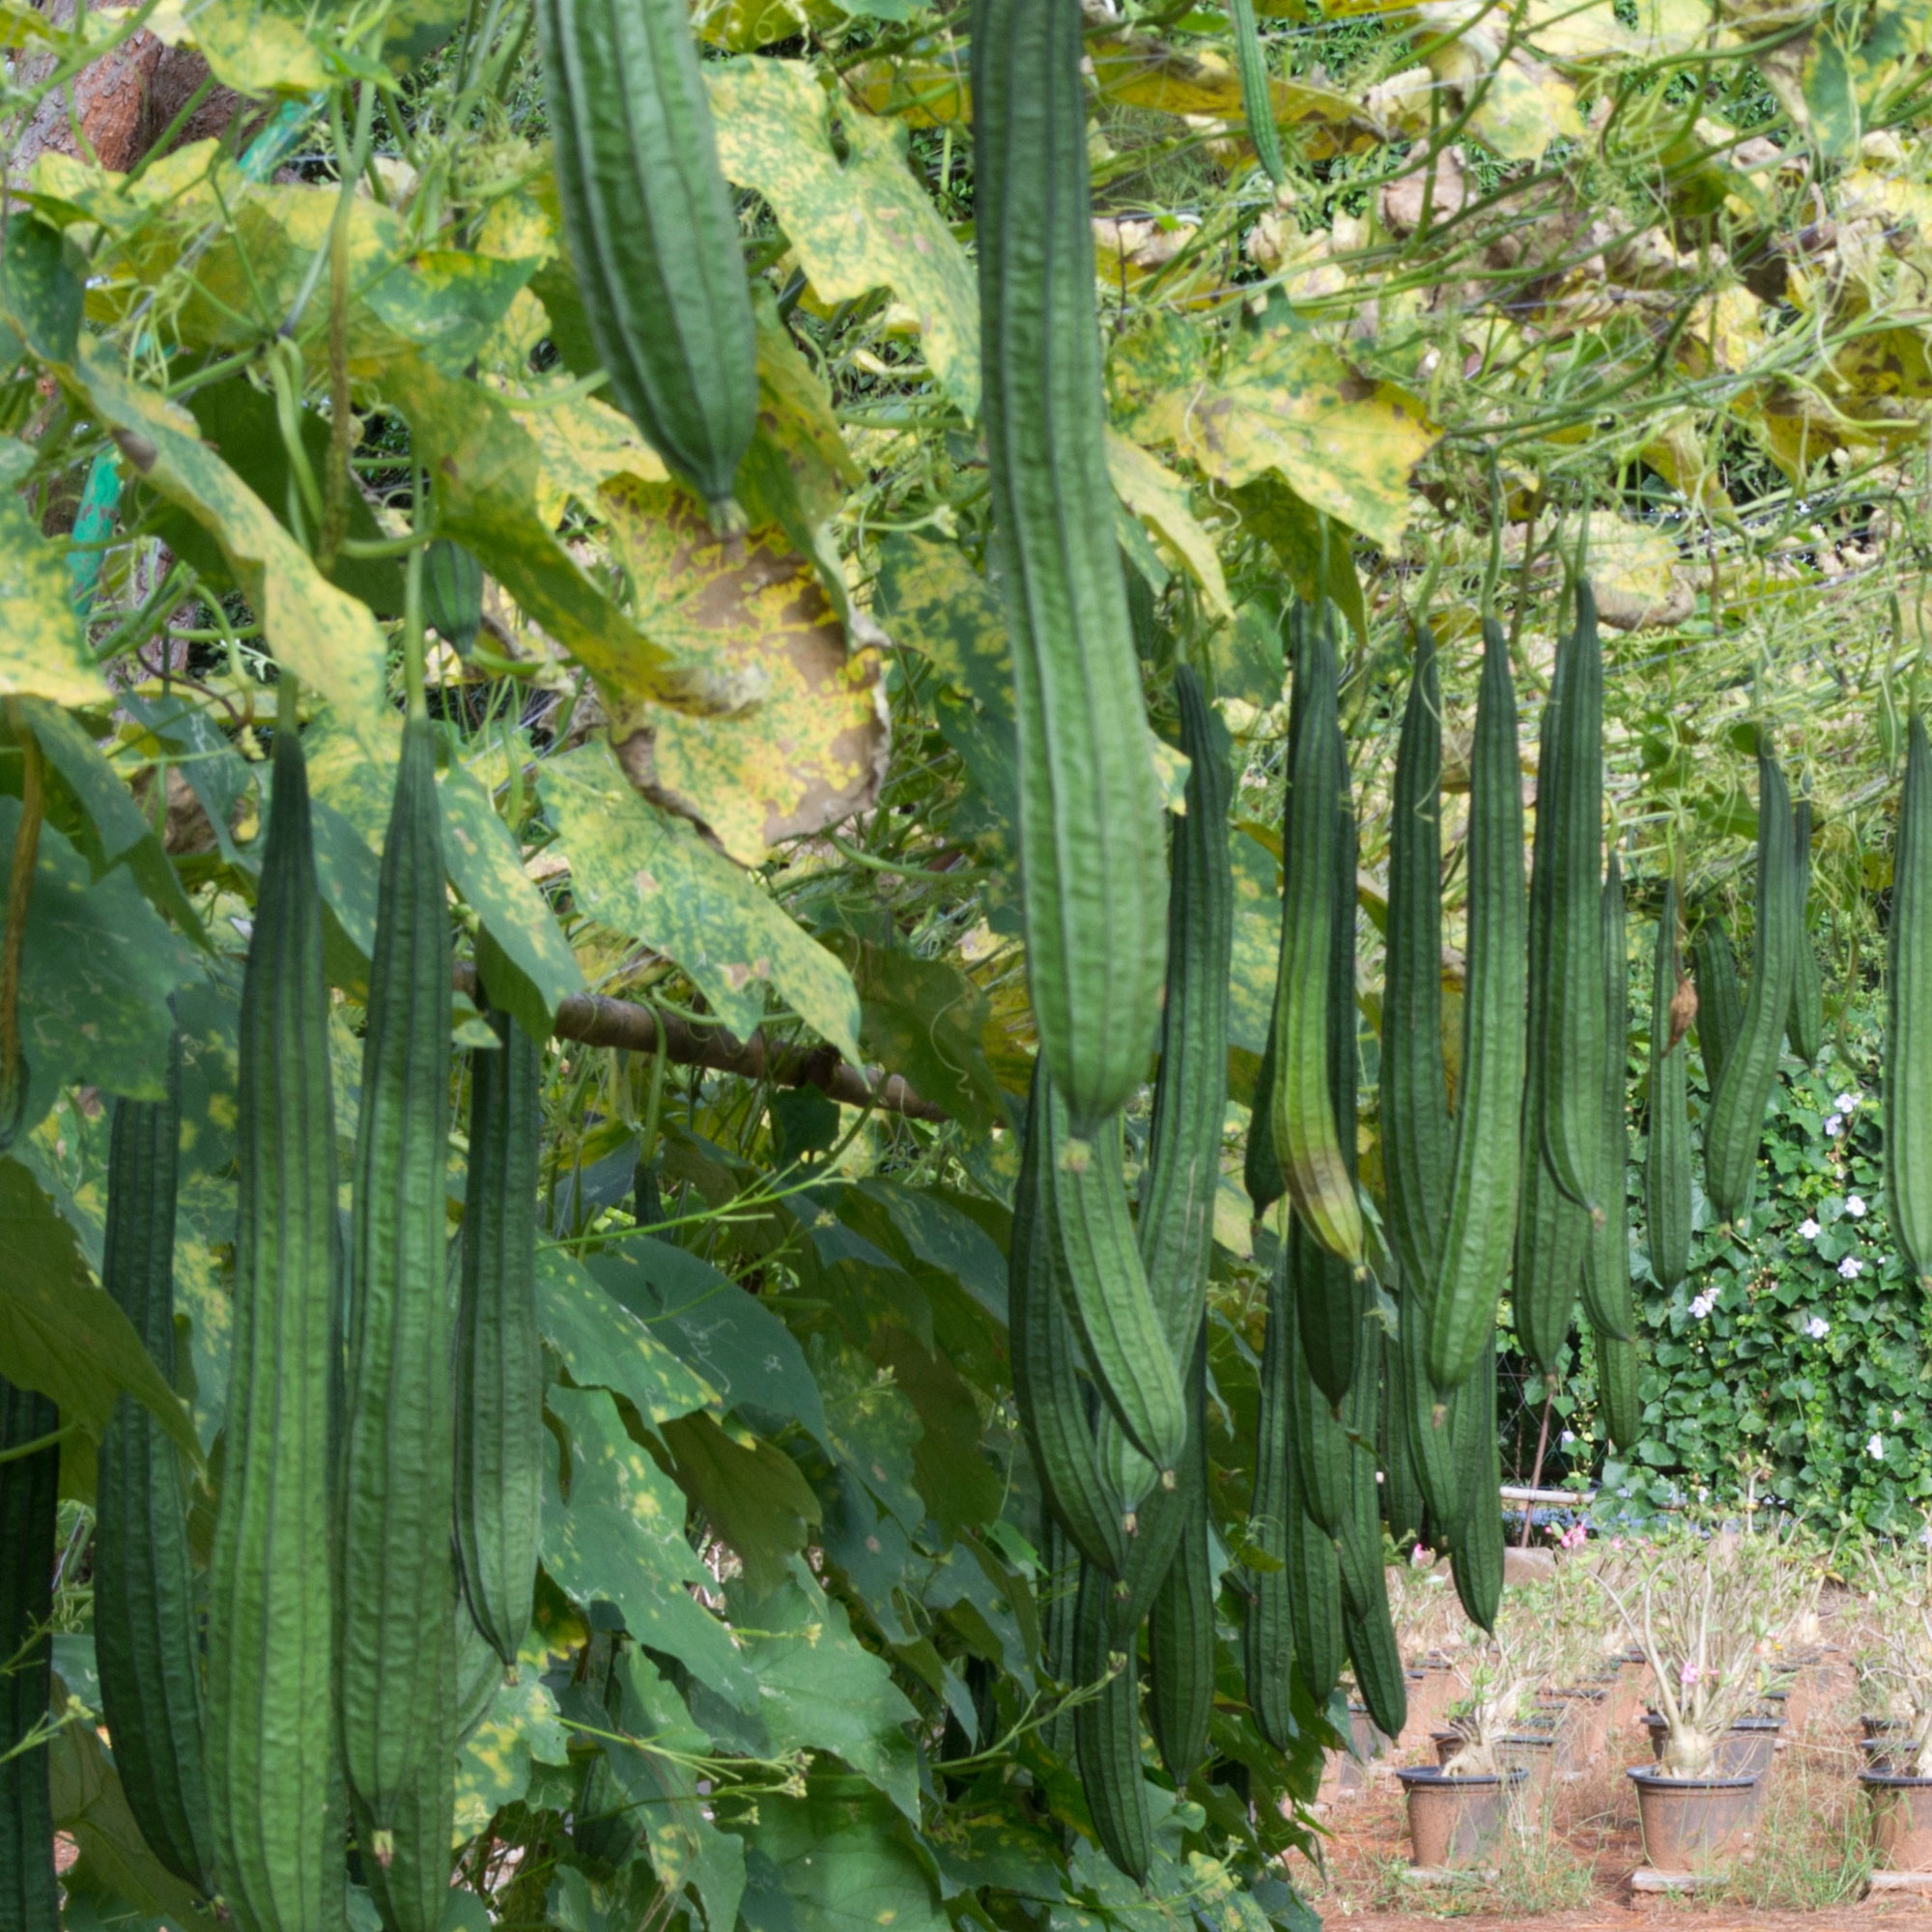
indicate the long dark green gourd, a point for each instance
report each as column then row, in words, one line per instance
column 1092, row 861
column 1721, row 1006
column 1181, row 1642
column 1617, row 1390
column 652, row 232
column 1267, row 1634
column 1405, row 1507
column 1314, row 1578
column 1429, row 1425
column 1606, row 1286
column 1047, row 1387
column 1415, row 1088
column 146, row 1637
column 1107, row 1731
column 1257, row 98
column 500, row 1431
column 29, row 1892
column 1059, row 1600
column 1367, row 1629
column 1477, row 1560
column 1805, row 1027
column 1572, row 791
column 1907, row 1035
column 1666, row 1174
column 271, row 1736
column 1325, row 1453
column 1313, row 1145
column 1315, row 1589
column 1485, row 1171
column 398, row 1466
column 1735, row 1123
column 1260, row 1167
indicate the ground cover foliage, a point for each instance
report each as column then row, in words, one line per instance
column 1642, row 280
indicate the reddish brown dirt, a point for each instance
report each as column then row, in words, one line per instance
column 1569, row 1868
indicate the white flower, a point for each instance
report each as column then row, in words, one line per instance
column 1833, row 1126
column 1850, row 1268
column 1701, row 1305
column 1855, row 1205
column 1807, row 1230
column 1875, row 1448
column 1568, row 1437
column 1817, row 1327
column 1845, row 1102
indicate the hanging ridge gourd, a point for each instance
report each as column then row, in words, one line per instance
column 273, row 1800
column 1314, row 1152
column 29, row 1483
column 500, row 1428
column 1735, row 1123
column 1721, row 1006
column 1667, row 1162
column 399, row 1451
column 1806, row 1024
column 1268, row 1632
column 1908, row 1039
column 1606, row 1287
column 146, row 1641
column 1256, row 99
column 1573, row 789
column 1093, row 863
column 1107, row 1731
column 652, row 233
column 1182, row 1639
column 1480, row 1210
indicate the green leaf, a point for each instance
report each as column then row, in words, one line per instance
column 752, row 1494
column 643, row 873
column 923, row 1018
column 59, row 1332
column 821, row 1689
column 845, row 1861
column 115, row 1863
column 1293, row 531
column 859, row 220
column 326, row 636
column 617, row 1537
column 604, row 1344
column 41, row 293
column 534, row 969
column 739, row 1347
column 97, row 970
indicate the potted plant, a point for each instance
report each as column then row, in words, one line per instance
column 1458, row 1807
column 1894, row 1668
column 1705, row 1611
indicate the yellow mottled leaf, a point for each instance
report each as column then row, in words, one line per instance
column 927, row 90
column 1155, row 494
column 743, row 26
column 43, row 649
column 581, row 444
column 1140, row 71
column 859, row 223
column 804, row 746
column 1284, row 400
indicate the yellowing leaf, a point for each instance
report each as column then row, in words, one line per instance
column 1140, row 71
column 646, row 874
column 743, row 26
column 858, row 224
column 929, row 90
column 1284, row 400
column 581, row 444
column 43, row 649
column 805, row 743
column 1158, row 496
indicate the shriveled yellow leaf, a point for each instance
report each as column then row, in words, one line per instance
column 581, row 444
column 805, row 745
column 1141, row 72
column 1155, row 494
column 924, row 90
column 859, row 223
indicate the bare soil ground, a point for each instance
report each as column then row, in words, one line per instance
column 1567, row 1864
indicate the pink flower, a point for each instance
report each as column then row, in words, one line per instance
column 1688, row 1675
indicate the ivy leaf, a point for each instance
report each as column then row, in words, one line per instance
column 604, row 1344
column 858, row 221
column 645, row 874
column 618, row 1538
column 61, row 1335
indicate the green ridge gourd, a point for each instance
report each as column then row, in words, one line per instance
column 1667, row 1173
column 271, row 1736
column 146, row 1637
column 1721, row 1006
column 1907, row 1036
column 1367, row 1629
column 1260, row 1167
column 1314, row 1577
column 1572, row 789
column 652, row 233
column 1107, row 1732
column 1484, row 1162
column 1805, row 1027
column 1617, row 1390
column 399, row 1449
column 1404, row 1508
column 1477, row 1562
column 500, row 1428
column 1315, row 1590
column 1256, row 99
column 1735, row 1123
column 453, row 593
column 1414, row 1087
column 1606, row 1286
column 1181, row 1642
column 29, row 1892
column 1314, row 1151
column 1061, row 1565
column 1047, row 1389
column 1092, row 848
column 1268, row 1633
